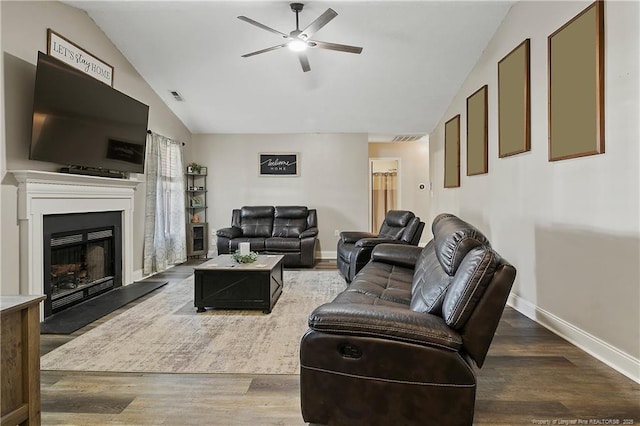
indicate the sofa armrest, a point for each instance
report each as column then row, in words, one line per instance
column 385, row 322
column 309, row 232
column 396, row 254
column 353, row 236
column 372, row 242
column 230, row 233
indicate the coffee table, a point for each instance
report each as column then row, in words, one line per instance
column 225, row 284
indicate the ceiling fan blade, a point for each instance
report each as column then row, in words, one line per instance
column 268, row 49
column 304, row 61
column 316, row 25
column 335, row 46
column 264, row 27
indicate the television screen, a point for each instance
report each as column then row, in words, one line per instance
column 80, row 121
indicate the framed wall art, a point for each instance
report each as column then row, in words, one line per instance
column 72, row 54
column 514, row 102
column 576, row 86
column 279, row 164
column 452, row 153
column 477, row 133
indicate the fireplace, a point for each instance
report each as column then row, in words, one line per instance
column 82, row 257
column 43, row 194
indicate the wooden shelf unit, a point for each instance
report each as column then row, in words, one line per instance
column 196, row 204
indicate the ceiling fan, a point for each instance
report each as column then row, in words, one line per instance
column 299, row 40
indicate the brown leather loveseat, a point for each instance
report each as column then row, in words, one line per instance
column 400, row 344
column 291, row 231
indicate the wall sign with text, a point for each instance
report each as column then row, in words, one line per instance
column 72, row 54
column 279, row 164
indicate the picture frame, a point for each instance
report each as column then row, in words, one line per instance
column 70, row 53
column 477, row 132
column 576, row 86
column 452, row 152
column 203, row 170
column 279, row 164
column 514, row 101
column 196, row 201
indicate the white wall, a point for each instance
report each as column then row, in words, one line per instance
column 24, row 33
column 570, row 227
column 333, row 178
column 414, row 171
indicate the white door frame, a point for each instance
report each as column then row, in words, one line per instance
column 399, row 191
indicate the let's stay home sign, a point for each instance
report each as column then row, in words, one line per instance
column 68, row 52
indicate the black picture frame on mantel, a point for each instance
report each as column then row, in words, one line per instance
column 279, row 164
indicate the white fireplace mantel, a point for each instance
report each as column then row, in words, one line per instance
column 44, row 193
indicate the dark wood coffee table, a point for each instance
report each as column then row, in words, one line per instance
column 225, row 284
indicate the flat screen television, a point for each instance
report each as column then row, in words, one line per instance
column 81, row 122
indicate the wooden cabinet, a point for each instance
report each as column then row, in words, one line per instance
column 196, row 204
column 20, row 359
column 197, row 239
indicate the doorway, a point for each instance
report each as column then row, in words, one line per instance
column 384, row 191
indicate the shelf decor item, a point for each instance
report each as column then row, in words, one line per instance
column 194, row 168
column 245, row 258
column 196, row 202
column 576, row 86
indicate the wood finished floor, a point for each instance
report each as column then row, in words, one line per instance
column 531, row 376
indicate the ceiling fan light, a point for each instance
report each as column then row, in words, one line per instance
column 297, row 45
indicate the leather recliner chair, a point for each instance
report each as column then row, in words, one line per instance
column 354, row 247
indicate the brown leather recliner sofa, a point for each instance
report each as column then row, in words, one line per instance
column 291, row 231
column 399, row 345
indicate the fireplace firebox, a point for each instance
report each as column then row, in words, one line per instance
column 82, row 257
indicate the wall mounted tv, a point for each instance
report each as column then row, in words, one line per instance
column 85, row 124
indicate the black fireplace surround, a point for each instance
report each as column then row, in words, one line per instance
column 82, row 257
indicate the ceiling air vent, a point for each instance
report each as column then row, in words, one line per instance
column 406, row 138
column 177, row 96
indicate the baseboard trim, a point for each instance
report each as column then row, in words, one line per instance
column 599, row 349
column 328, row 255
column 137, row 276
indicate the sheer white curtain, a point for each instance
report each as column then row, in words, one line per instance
column 164, row 229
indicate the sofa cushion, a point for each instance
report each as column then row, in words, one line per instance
column 279, row 244
column 394, row 224
column 381, row 283
column 410, row 230
column 430, row 282
column 256, row 221
column 289, row 221
column 256, row 244
column 454, row 238
column 468, row 285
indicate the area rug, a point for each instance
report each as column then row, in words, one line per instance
column 164, row 334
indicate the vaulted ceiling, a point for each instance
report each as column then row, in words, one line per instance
column 416, row 55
